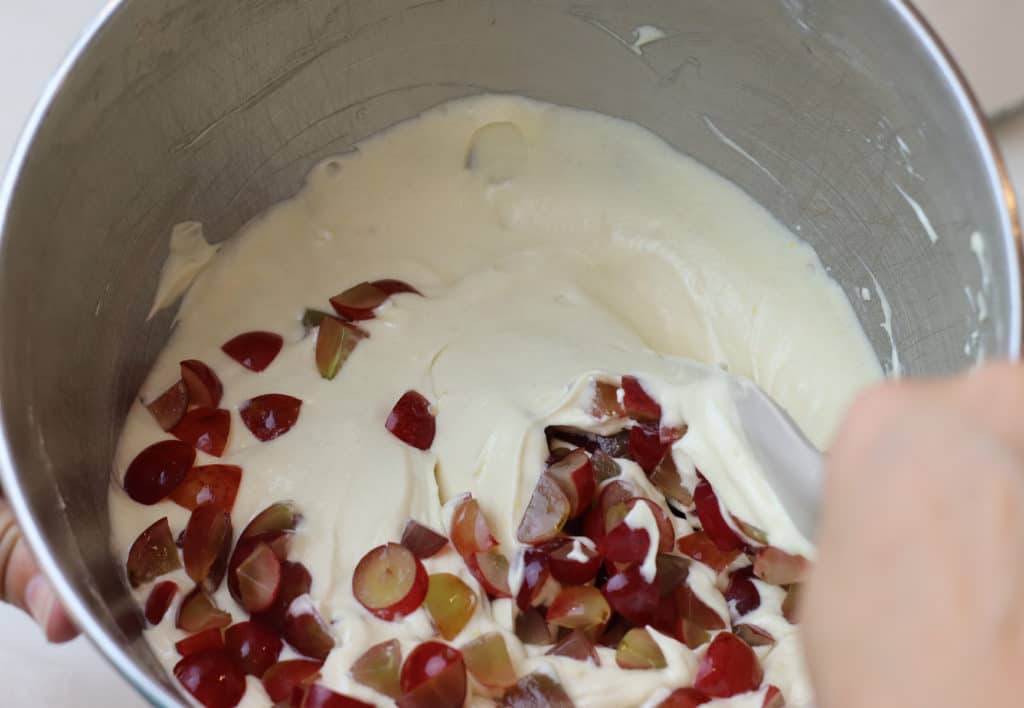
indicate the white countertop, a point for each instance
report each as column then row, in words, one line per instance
column 33, row 38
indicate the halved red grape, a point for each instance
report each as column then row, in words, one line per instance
column 773, row 698
column 667, row 618
column 646, row 448
column 390, row 581
column 379, row 667
column 714, row 524
column 696, row 611
column 209, row 484
column 153, row 554
column 359, row 301
column 741, row 593
column 617, row 492
column 615, row 445
column 205, row 545
column 169, row 406
column 532, row 628
column 535, row 574
column 271, row 415
column 198, row 612
column 394, row 287
column 546, row 513
column 207, row 639
column 753, row 635
column 633, row 597
column 574, row 475
column 684, row 698
column 699, row 546
column 312, row 318
column 318, row 696
column 412, row 421
column 624, row 544
column 557, row 453
column 159, row 601
column 204, row 388
column 212, row 678
column 672, row 572
column 614, row 631
column 728, row 668
column 335, row 342
column 780, row 568
column 488, row 661
column 637, row 403
column 259, row 578
column 295, row 582
column 576, row 645
column 281, row 516
column 536, row 690
column 573, row 560
column 605, row 466
column 422, row 541
column 593, row 523
column 490, row 568
column 205, row 429
column 433, row 676
column 306, row 631
column 692, row 634
column 279, row 543
column 667, row 479
column 680, row 612
column 157, row 470
column 612, row 518
column 253, row 645
column 450, row 603
column 579, row 607
column 638, row 650
column 283, row 679
column 606, row 401
column 254, row 350
column 470, row 532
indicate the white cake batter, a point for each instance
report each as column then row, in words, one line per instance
column 574, row 243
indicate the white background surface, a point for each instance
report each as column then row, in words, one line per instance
column 34, row 36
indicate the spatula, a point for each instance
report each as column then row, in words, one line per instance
column 792, row 465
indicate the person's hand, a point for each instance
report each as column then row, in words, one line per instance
column 917, row 597
column 22, row 584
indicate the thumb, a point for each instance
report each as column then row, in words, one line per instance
column 22, row 583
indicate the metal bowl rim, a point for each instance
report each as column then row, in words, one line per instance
column 158, row 694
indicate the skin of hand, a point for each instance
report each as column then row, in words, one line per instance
column 24, row 585
column 917, row 596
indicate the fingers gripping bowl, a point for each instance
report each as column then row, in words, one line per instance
column 804, row 110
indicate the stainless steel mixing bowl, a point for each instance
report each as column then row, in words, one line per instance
column 843, row 117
